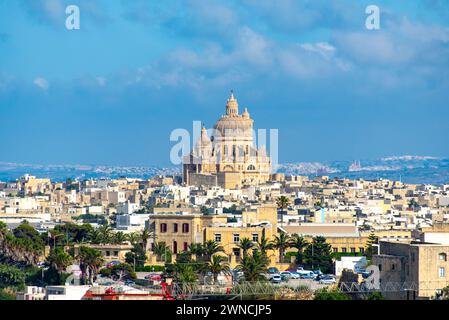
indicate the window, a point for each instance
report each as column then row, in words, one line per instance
column 380, row 267
column 343, row 250
column 335, row 250
column 163, row 227
column 175, row 247
column 393, row 266
column 175, row 227
column 251, row 167
column 255, row 237
column 185, row 246
column 442, row 257
column 441, row 272
column 362, row 250
column 218, row 237
column 185, row 228
column 236, row 238
column 108, row 253
column 352, row 250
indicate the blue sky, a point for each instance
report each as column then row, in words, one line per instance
column 111, row 92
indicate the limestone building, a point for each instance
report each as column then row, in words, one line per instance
column 230, row 157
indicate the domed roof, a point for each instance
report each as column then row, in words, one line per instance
column 232, row 123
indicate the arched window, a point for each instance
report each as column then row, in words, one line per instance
column 251, row 167
column 185, row 228
column 442, row 256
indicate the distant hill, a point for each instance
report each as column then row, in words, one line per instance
column 409, row 169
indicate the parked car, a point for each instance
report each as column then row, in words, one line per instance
column 307, row 275
column 273, row 270
column 275, row 278
column 154, row 277
column 317, row 272
column 286, row 274
column 294, row 270
column 129, row 283
column 328, row 280
column 290, row 274
column 112, row 263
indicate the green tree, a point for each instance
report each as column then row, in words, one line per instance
column 245, row 244
column 185, row 273
column 105, row 233
column 370, row 249
column 217, row 265
column 120, row 272
column 136, row 257
column 90, row 261
column 196, row 249
column 59, row 259
column 119, row 238
column 210, row 248
column 11, row 277
column 282, row 203
column 73, row 233
column 263, row 245
column 318, row 254
column 146, row 235
column 281, row 242
column 160, row 249
column 254, row 266
column 21, row 250
column 299, row 243
column 134, row 238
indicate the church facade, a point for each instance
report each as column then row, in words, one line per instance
column 229, row 157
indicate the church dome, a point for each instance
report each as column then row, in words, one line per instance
column 232, row 123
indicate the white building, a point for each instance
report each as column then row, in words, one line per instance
column 127, row 207
column 131, row 222
column 356, row 264
column 67, row 292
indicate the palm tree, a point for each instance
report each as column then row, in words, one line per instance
column 264, row 245
column 90, row 261
column 59, row 260
column 210, row 248
column 282, row 203
column 217, row 265
column 185, row 273
column 254, row 266
column 245, row 244
column 145, row 236
column 196, row 249
column 134, row 238
column 159, row 249
column 105, row 233
column 119, row 238
column 299, row 243
column 94, row 236
column 281, row 243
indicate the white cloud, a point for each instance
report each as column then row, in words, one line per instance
column 41, row 83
